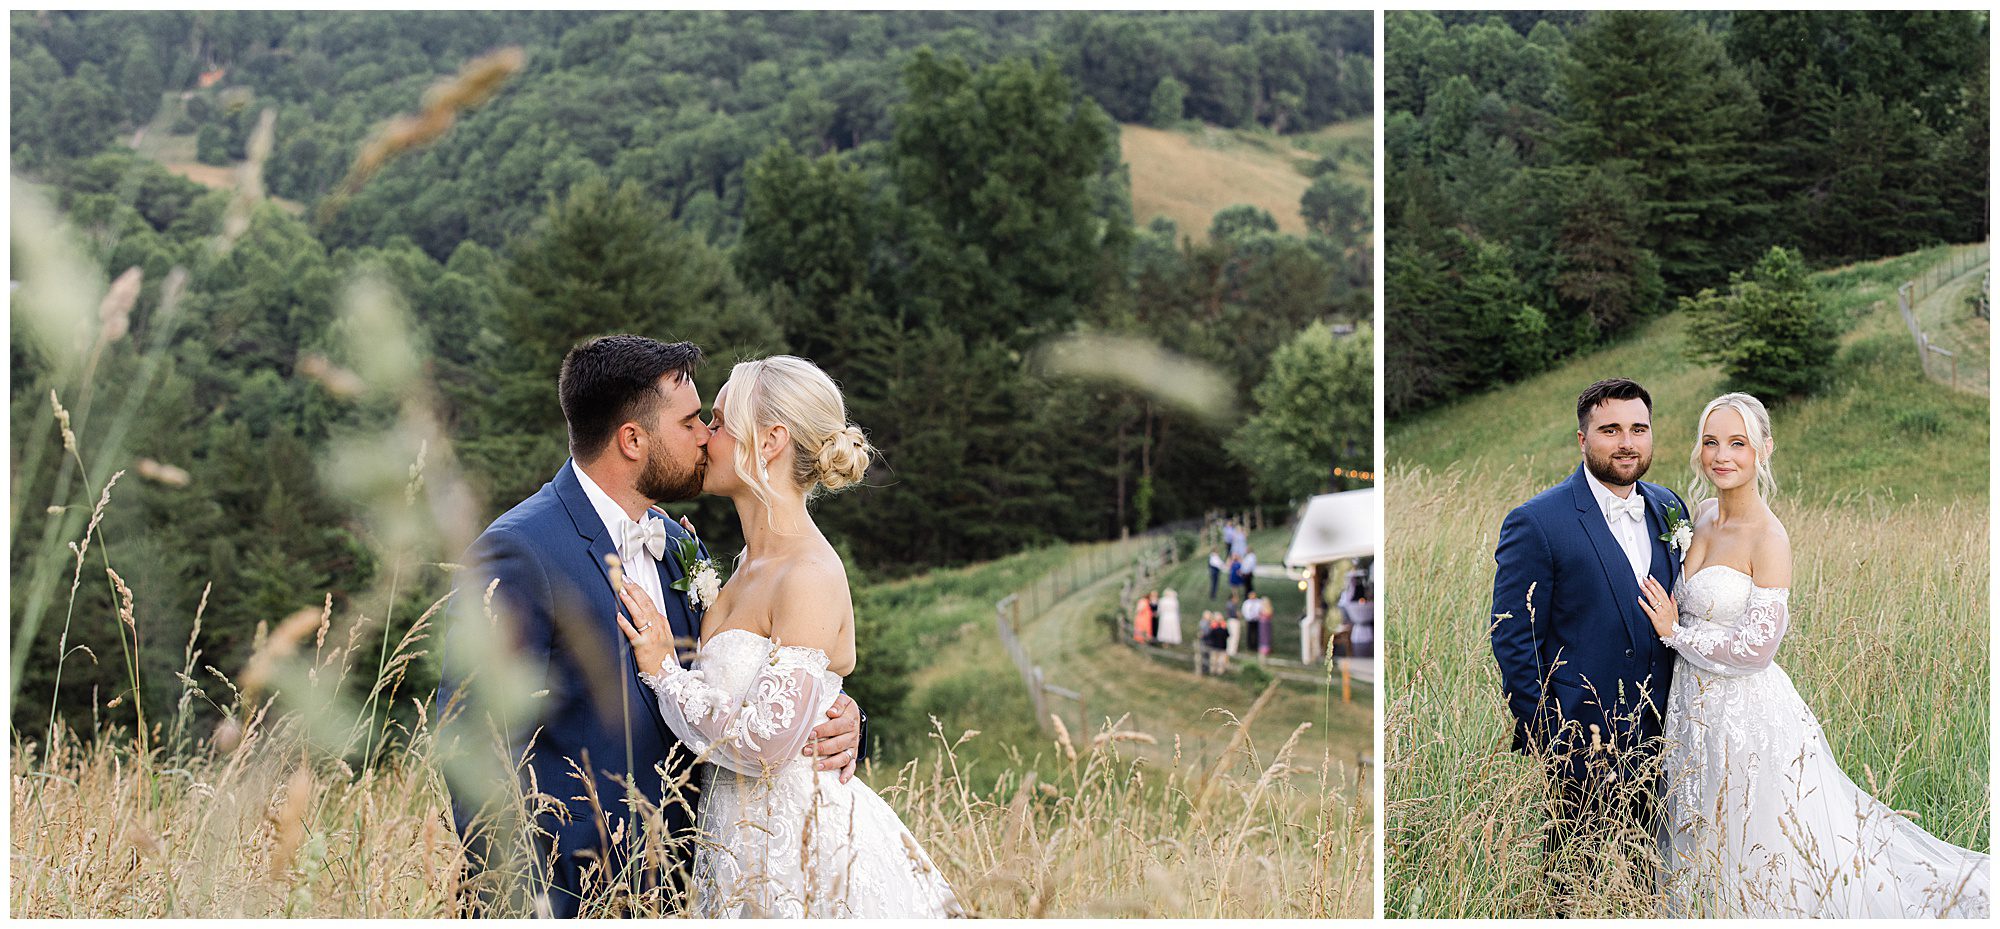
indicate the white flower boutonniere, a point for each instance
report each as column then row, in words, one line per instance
column 701, row 578
column 1680, row 532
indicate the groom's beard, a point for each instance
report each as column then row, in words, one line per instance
column 1607, row 469
column 664, row 482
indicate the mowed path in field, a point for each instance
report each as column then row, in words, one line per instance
column 1949, row 320
column 1168, row 700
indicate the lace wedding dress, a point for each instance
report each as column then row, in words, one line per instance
column 778, row 839
column 1760, row 820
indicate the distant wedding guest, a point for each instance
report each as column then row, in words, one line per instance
column 1264, row 611
column 1232, row 617
column 1214, row 571
column 1142, row 621
column 1249, row 573
column 1153, row 607
column 1360, row 612
column 1215, row 642
column 1239, row 541
column 1167, row 619
column 1235, row 575
column 1253, row 622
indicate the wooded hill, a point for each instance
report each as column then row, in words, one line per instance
column 917, row 201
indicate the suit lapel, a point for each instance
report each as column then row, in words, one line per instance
column 1664, row 554
column 1611, row 557
column 597, row 540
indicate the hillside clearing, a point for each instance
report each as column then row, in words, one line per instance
column 1190, row 176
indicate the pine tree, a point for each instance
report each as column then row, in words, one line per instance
column 1654, row 91
column 1770, row 333
column 1602, row 270
column 605, row 261
column 997, row 169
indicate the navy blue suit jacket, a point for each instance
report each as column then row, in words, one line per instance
column 592, row 712
column 1588, row 655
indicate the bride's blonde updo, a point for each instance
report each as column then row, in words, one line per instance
column 1756, row 428
column 828, row 452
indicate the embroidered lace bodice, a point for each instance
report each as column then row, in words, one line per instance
column 1728, row 624
column 779, row 839
column 1760, row 820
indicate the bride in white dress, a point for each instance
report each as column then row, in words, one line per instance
column 779, row 839
column 1759, row 818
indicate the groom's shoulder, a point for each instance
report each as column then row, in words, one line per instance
column 526, row 521
column 536, row 507
column 1549, row 500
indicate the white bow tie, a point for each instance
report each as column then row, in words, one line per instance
column 649, row 535
column 1633, row 506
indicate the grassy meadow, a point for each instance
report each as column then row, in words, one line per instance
column 284, row 788
column 1883, row 488
column 1245, row 814
column 1190, row 175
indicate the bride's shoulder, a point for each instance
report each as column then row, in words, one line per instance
column 813, row 603
column 1771, row 557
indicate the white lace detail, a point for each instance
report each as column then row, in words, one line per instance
column 1760, row 820
column 1745, row 640
column 778, row 839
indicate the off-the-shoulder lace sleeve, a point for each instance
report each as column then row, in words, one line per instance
column 1745, row 648
column 754, row 727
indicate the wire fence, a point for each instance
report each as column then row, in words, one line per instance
column 1940, row 361
column 1089, row 564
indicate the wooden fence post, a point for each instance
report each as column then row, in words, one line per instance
column 1041, row 699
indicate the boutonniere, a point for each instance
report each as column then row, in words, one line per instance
column 1680, row 532
column 701, row 578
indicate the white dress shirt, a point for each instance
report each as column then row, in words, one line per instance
column 639, row 564
column 1629, row 531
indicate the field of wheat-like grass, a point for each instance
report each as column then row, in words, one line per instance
column 1888, row 646
column 272, row 827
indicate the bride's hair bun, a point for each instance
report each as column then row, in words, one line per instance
column 844, row 459
column 827, row 451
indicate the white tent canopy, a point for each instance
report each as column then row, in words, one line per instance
column 1337, row 526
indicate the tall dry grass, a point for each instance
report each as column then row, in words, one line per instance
column 258, row 822
column 1888, row 646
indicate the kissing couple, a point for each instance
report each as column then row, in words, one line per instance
column 1637, row 643
column 650, row 676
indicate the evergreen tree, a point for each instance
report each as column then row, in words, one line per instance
column 997, row 167
column 1769, row 333
column 606, row 261
column 1168, row 104
column 1602, row 270
column 1655, row 91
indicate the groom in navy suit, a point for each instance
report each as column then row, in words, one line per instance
column 589, row 727
column 1585, row 676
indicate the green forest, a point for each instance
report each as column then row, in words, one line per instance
column 922, row 203
column 1553, row 180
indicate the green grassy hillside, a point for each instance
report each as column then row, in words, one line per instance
column 1879, row 429
column 964, row 679
column 1883, row 486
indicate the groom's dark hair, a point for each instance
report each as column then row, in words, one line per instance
column 1614, row 388
column 611, row 380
